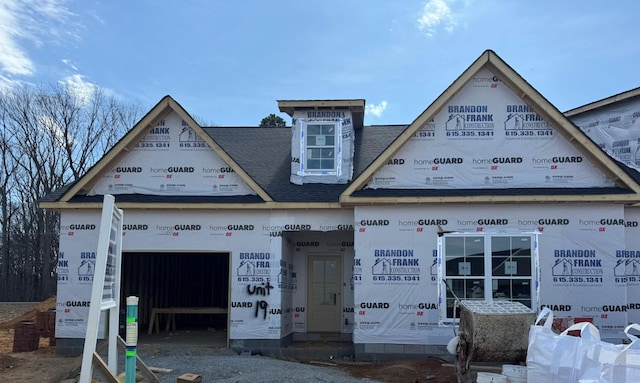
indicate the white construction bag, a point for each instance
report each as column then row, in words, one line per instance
column 625, row 367
column 540, row 348
column 569, row 352
column 598, row 356
column 557, row 358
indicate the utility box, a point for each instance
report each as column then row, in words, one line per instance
column 496, row 331
column 189, row 378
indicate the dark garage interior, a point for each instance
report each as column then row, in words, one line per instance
column 177, row 279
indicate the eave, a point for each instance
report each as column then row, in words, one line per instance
column 195, row 206
column 356, row 106
column 604, row 102
column 626, row 199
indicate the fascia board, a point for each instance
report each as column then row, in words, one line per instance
column 197, row 206
column 627, row 199
column 604, row 102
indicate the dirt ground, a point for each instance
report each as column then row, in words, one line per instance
column 425, row 370
column 45, row 366
column 42, row 365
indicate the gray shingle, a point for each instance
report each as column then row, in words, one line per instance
column 265, row 155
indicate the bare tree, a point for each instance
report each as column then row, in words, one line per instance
column 51, row 136
column 7, row 171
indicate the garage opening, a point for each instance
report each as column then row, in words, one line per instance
column 177, row 280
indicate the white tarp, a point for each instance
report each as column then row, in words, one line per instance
column 172, row 160
column 577, row 248
column 487, row 137
column 395, row 276
column 616, row 129
column 344, row 146
column 581, row 247
column 628, row 262
column 79, row 231
column 264, row 282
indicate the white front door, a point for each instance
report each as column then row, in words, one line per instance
column 324, row 294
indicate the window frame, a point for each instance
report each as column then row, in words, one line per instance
column 337, row 148
column 444, row 296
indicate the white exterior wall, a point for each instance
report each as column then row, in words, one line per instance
column 171, row 160
column 253, row 238
column 628, row 262
column 616, row 129
column 486, row 137
column 606, row 292
column 404, row 309
column 344, row 146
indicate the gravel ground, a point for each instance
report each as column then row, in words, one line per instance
column 213, row 364
column 203, row 353
column 226, row 366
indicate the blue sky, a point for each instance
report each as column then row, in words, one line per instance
column 228, row 62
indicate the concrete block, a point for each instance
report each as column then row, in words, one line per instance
column 374, row 348
column 414, row 349
column 394, row 348
column 496, row 331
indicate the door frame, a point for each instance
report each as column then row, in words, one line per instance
column 329, row 320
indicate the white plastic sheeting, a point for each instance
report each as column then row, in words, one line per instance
column 616, row 129
column 577, row 247
column 267, row 265
column 487, row 137
column 582, row 248
column 172, row 160
column 344, row 146
column 627, row 268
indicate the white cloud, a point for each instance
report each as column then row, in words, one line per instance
column 70, row 64
column 376, row 110
column 13, row 60
column 7, row 83
column 437, row 13
column 30, row 22
column 82, row 90
column 48, row 124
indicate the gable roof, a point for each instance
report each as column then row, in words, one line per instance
column 262, row 158
column 264, row 154
column 136, row 134
column 627, row 190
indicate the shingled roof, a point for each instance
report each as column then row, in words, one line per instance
column 265, row 154
column 261, row 156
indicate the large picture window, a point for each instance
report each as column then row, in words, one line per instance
column 488, row 267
